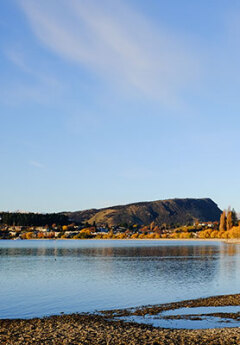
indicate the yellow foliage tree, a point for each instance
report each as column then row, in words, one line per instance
column 29, row 235
column 229, row 222
column 134, row 236
column 223, row 222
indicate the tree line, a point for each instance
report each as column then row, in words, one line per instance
column 228, row 220
column 33, row 219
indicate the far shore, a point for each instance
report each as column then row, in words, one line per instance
column 128, row 239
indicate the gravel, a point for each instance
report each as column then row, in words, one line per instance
column 102, row 329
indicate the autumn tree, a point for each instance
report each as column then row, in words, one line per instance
column 152, row 226
column 40, row 235
column 157, row 229
column 229, row 221
column 223, row 222
column 29, row 235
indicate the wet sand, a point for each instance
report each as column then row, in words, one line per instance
column 104, row 329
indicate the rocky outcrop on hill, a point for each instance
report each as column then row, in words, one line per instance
column 172, row 212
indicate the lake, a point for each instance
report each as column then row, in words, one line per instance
column 45, row 277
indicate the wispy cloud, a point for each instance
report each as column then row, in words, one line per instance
column 36, row 164
column 18, row 58
column 30, row 82
column 116, row 43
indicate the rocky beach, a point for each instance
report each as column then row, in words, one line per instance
column 106, row 328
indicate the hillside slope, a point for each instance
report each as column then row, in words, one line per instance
column 172, row 212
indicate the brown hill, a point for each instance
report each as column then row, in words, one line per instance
column 172, row 212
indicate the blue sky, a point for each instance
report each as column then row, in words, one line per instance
column 112, row 102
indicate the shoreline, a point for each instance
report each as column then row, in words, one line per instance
column 103, row 329
column 130, row 239
column 226, row 241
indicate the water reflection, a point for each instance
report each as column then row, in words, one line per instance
column 45, row 248
column 82, row 276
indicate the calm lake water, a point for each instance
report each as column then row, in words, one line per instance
column 40, row 278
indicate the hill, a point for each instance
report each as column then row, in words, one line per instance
column 172, row 212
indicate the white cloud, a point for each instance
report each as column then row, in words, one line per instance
column 116, row 43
